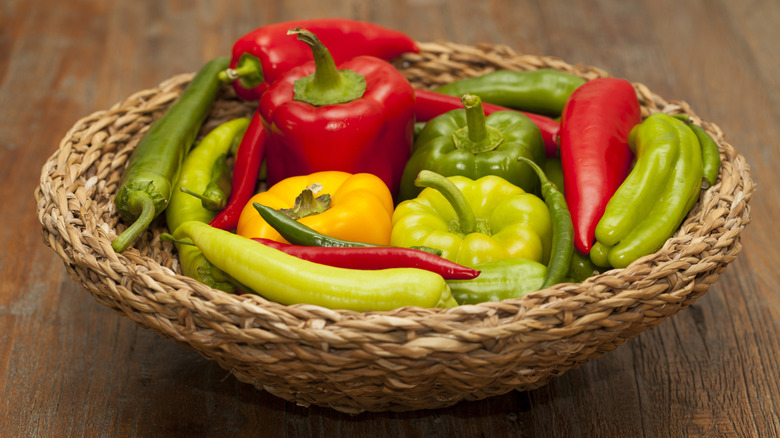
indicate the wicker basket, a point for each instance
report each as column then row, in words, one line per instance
column 406, row 359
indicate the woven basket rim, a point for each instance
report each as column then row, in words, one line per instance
column 616, row 305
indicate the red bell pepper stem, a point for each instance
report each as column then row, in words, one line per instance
column 595, row 156
column 378, row 257
column 327, row 85
column 429, row 104
column 246, row 169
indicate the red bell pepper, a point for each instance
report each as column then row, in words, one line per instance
column 356, row 118
column 262, row 55
column 246, row 169
column 595, row 155
column 429, row 104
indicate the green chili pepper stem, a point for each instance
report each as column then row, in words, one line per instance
column 248, row 71
column 208, row 202
column 142, row 204
column 451, row 192
column 476, row 136
column 327, row 85
column 563, row 228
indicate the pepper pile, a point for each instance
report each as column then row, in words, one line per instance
column 377, row 195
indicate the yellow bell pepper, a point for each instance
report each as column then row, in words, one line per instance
column 359, row 208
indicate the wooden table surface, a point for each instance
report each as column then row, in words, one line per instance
column 72, row 367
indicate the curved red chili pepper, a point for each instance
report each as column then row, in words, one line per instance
column 429, row 104
column 595, row 155
column 277, row 52
column 249, row 157
column 375, row 257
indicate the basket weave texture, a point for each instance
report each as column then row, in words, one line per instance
column 405, row 359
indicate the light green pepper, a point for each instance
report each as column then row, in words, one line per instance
column 474, row 222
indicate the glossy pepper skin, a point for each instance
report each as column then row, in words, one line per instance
column 466, row 142
column 656, row 196
column 264, row 54
column 595, row 156
column 356, row 132
column 360, row 207
column 474, row 221
column 542, row 91
column 195, row 174
column 289, row 280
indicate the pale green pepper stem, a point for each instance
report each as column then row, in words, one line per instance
column 327, row 85
column 448, row 189
column 476, row 137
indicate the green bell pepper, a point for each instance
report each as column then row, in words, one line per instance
column 468, row 143
column 474, row 221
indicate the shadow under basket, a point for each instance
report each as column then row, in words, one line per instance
column 406, row 359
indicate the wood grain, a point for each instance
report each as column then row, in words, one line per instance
column 71, row 367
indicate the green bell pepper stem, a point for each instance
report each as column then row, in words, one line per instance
column 327, row 85
column 476, row 136
column 563, row 228
column 466, row 218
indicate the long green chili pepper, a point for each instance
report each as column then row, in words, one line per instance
column 542, row 91
column 710, row 154
column 196, row 173
column 563, row 229
column 288, row 280
column 299, row 234
column 145, row 187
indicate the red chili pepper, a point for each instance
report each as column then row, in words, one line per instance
column 595, row 155
column 262, row 55
column 376, row 257
column 358, row 118
column 249, row 157
column 429, row 104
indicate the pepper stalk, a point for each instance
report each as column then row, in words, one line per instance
column 476, row 136
column 327, row 85
column 467, row 220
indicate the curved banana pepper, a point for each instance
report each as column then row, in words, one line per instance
column 656, row 196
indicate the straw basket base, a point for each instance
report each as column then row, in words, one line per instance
column 405, row 359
